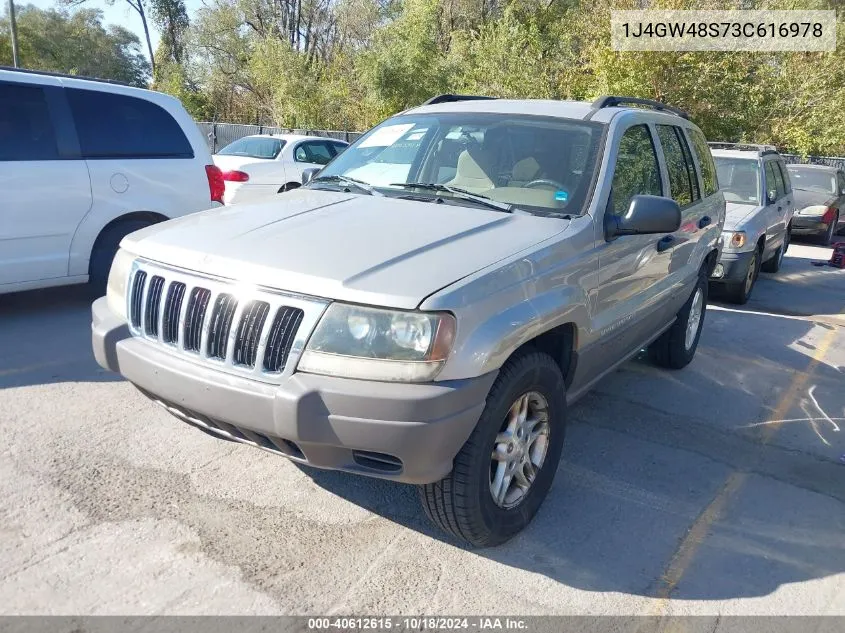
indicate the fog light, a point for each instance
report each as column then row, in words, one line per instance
column 719, row 271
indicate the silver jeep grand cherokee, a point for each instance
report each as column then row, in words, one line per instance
column 426, row 307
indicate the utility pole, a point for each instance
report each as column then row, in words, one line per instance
column 14, row 28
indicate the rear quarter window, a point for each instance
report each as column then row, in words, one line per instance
column 705, row 160
column 119, row 126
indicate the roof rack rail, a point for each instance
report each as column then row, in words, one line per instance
column 46, row 73
column 763, row 149
column 450, row 98
column 610, row 101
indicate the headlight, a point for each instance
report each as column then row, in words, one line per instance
column 375, row 344
column 733, row 239
column 118, row 276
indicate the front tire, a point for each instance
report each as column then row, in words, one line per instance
column 506, row 467
column 676, row 347
column 740, row 292
column 774, row 263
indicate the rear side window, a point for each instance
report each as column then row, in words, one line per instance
column 784, row 174
column 705, row 160
column 317, row 152
column 118, row 126
column 254, row 147
column 26, row 130
column 636, row 171
column 678, row 164
column 840, row 182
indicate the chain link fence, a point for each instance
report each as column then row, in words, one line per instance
column 832, row 161
column 219, row 135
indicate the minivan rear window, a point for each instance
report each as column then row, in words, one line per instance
column 26, row 130
column 119, row 126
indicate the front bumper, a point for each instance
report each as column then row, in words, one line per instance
column 403, row 432
column 808, row 225
column 732, row 267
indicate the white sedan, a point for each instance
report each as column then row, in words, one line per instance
column 262, row 165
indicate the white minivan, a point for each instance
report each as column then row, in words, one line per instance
column 82, row 164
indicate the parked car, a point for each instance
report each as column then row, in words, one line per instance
column 819, row 193
column 262, row 165
column 760, row 205
column 433, row 329
column 83, row 164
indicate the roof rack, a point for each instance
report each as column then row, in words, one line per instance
column 754, row 147
column 46, row 73
column 450, row 98
column 611, row 101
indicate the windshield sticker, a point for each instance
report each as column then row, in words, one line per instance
column 561, row 196
column 387, row 135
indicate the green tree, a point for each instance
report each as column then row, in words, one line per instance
column 75, row 43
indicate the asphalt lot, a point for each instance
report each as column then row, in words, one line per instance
column 719, row 489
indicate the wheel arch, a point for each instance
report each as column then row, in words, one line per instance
column 149, row 216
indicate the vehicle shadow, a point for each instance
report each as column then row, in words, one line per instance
column 45, row 337
column 648, row 451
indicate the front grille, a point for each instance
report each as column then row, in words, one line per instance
column 254, row 332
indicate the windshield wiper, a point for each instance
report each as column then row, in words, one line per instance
column 349, row 182
column 458, row 193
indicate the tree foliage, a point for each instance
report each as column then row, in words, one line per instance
column 75, row 43
column 350, row 63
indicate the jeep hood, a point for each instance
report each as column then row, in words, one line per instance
column 367, row 249
column 735, row 214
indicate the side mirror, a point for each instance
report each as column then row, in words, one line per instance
column 771, row 196
column 308, row 174
column 645, row 215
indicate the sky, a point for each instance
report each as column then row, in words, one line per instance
column 119, row 13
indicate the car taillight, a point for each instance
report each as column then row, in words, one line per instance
column 235, row 176
column 829, row 215
column 216, row 185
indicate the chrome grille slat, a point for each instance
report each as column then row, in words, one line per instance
column 284, row 327
column 221, row 319
column 152, row 306
column 253, row 332
column 172, row 310
column 196, row 308
column 249, row 331
column 136, row 302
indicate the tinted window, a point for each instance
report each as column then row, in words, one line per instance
column 779, row 184
column 337, row 148
column 840, row 181
column 693, row 178
column 254, row 147
column 636, row 170
column 317, row 152
column 26, row 131
column 784, row 173
column 116, row 126
column 676, row 165
column 809, row 179
column 705, row 160
column 771, row 180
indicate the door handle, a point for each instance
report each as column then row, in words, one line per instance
column 665, row 243
column 705, row 221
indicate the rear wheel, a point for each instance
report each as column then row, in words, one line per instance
column 105, row 248
column 504, row 471
column 740, row 291
column 676, row 346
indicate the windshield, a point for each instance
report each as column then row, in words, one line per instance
column 739, row 179
column 542, row 165
column 812, row 180
column 254, row 147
